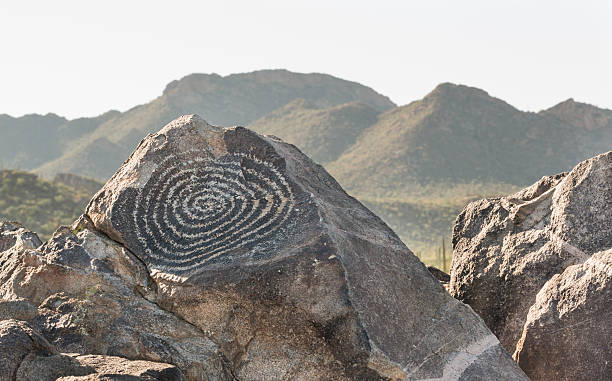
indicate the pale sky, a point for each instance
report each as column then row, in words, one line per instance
column 82, row 58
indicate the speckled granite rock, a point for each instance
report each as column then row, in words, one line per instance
column 251, row 242
column 511, row 253
column 27, row 356
column 43, row 367
column 568, row 330
column 14, row 234
column 86, row 294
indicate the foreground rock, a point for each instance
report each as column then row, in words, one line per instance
column 14, row 234
column 537, row 267
column 568, row 333
column 26, row 355
column 231, row 255
column 86, row 294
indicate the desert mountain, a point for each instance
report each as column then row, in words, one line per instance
column 581, row 115
column 324, row 133
column 416, row 165
column 32, row 140
column 95, row 146
column 460, row 135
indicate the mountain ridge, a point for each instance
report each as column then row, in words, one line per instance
column 460, row 134
column 236, row 99
column 415, row 164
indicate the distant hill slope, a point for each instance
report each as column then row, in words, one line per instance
column 581, row 115
column 32, row 140
column 457, row 136
column 414, row 165
column 39, row 204
column 322, row 133
column 236, row 99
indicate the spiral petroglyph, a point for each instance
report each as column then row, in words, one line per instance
column 195, row 208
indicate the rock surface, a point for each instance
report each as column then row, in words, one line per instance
column 568, row 333
column 527, row 264
column 86, row 294
column 28, row 356
column 233, row 256
column 14, row 234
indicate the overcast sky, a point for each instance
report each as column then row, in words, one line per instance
column 77, row 58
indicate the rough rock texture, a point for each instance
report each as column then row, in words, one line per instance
column 86, row 294
column 37, row 367
column 219, row 254
column 526, row 263
column 17, row 340
column 14, row 234
column 250, row 242
column 439, row 274
column 568, row 333
column 28, row 356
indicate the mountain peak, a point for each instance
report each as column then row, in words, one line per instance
column 275, row 87
column 194, row 79
column 581, row 115
column 452, row 89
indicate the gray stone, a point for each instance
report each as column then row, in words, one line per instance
column 505, row 250
column 14, row 234
column 251, row 242
column 18, row 340
column 567, row 333
column 94, row 297
column 94, row 367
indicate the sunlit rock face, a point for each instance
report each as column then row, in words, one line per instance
column 228, row 254
column 536, row 266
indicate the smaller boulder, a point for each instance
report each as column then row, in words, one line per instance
column 567, row 335
column 536, row 267
column 14, row 234
column 17, row 341
column 94, row 367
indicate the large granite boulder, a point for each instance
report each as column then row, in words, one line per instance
column 251, row 242
column 527, row 264
column 229, row 255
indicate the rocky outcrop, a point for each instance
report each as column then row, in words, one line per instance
column 14, row 234
column 567, row 333
column 87, row 294
column 232, row 255
column 27, row 356
column 65, row 367
column 536, row 266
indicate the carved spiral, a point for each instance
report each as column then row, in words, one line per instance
column 194, row 209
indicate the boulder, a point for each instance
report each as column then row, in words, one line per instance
column 507, row 250
column 86, row 294
column 220, row 254
column 14, row 234
column 252, row 244
column 94, row 367
column 17, row 341
column 568, row 333
column 28, row 356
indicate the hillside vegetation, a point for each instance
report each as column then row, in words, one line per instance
column 416, row 166
column 457, row 136
column 323, row 134
column 96, row 147
column 38, row 204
